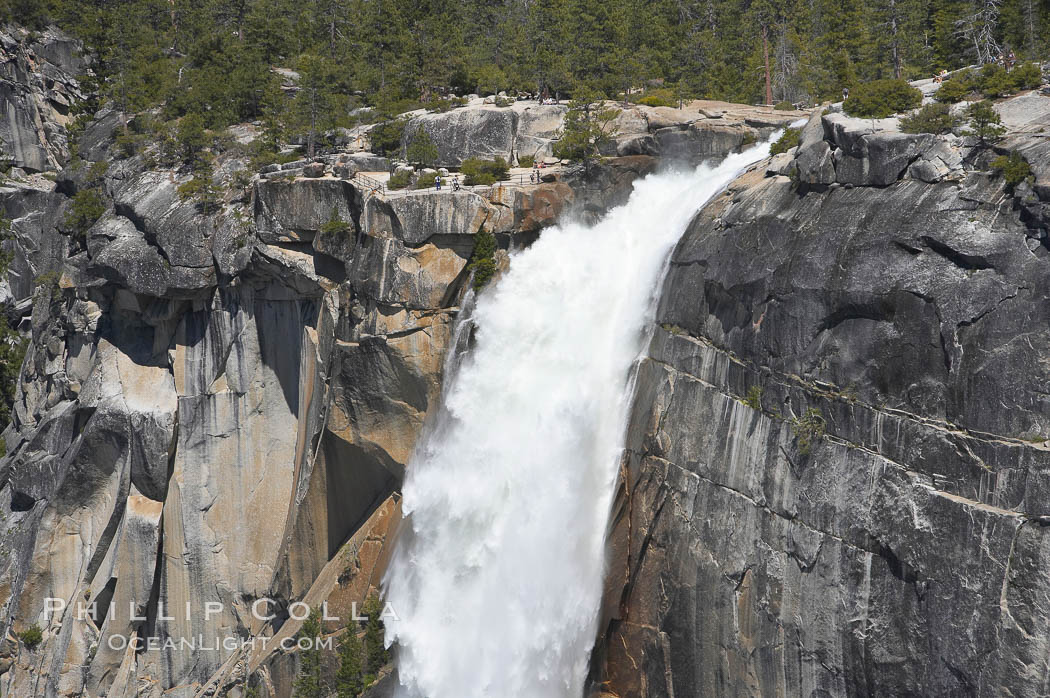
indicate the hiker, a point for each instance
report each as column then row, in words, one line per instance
column 845, row 93
column 455, row 184
column 437, row 183
column 532, row 177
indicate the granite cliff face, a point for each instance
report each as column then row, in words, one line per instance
column 837, row 463
column 217, row 407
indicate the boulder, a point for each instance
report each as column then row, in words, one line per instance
column 314, row 170
column 297, row 211
column 879, row 159
column 460, row 134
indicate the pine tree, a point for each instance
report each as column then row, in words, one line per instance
column 314, row 111
column 308, row 682
column 376, row 654
column 421, row 149
column 348, row 680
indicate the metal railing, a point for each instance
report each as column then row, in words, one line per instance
column 374, row 184
column 381, row 188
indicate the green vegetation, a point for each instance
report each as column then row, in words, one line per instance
column 386, row 137
column 88, row 206
column 349, row 679
column 335, row 225
column 201, row 188
column 308, row 683
column 588, row 126
column 426, row 181
column 990, row 81
column 483, row 259
column 882, row 98
column 789, row 140
column 956, row 88
column 421, row 149
column 399, row 180
column 478, row 171
column 31, row 636
column 808, row 429
column 526, row 160
column 214, row 59
column 754, row 398
column 932, row 118
column 376, row 655
column 985, row 122
column 1014, row 168
column 662, row 97
column 784, row 106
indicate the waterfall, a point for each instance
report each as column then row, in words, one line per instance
column 497, row 575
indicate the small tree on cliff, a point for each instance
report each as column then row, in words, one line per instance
column 421, row 150
column 985, row 122
column 376, row 654
column 308, row 683
column 588, row 126
column 348, row 680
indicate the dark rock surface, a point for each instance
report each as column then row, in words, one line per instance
column 38, row 89
column 838, row 455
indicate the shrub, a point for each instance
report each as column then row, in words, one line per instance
column 477, row 171
column 1014, row 168
column 1026, row 76
column 990, row 81
column 789, row 140
column 201, row 188
column 399, row 180
column 31, row 636
column 426, row 180
column 386, row 137
column 335, row 225
column 526, row 160
column 881, row 98
column 97, row 172
column 932, row 118
column 957, row 88
column 994, row 81
column 808, row 429
column 784, row 106
column 483, row 259
column 503, row 102
column 754, row 398
column 985, row 123
column 660, row 97
column 443, row 105
column 88, row 207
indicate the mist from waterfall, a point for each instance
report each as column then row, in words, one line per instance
column 497, row 575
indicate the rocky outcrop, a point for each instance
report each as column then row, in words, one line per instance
column 218, row 404
column 837, row 454
column 531, row 129
column 38, row 89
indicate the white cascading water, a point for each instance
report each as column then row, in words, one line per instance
column 497, row 576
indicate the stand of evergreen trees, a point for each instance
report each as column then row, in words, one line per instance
column 213, row 58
